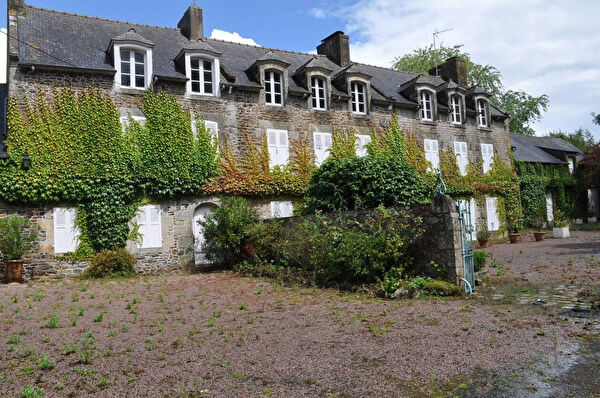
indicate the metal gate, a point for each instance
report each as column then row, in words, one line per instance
column 467, row 230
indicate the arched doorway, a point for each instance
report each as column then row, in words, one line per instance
column 200, row 215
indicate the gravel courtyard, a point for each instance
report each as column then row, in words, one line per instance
column 221, row 335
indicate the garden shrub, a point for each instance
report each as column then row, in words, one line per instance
column 441, row 288
column 226, row 230
column 111, row 264
column 359, row 183
column 479, row 260
column 17, row 237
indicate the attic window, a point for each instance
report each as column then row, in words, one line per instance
column 482, row 113
column 133, row 68
column 456, row 108
column 357, row 90
column 426, row 106
column 318, row 93
column 273, row 88
column 201, row 76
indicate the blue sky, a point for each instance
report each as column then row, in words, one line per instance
column 540, row 46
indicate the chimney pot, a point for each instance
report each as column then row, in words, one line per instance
column 454, row 69
column 192, row 24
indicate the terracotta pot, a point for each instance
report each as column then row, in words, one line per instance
column 539, row 236
column 483, row 242
column 514, row 238
column 13, row 271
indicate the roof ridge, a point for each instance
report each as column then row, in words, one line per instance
column 99, row 18
column 262, row 47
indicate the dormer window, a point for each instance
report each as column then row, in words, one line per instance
column 273, row 88
column 426, row 106
column 357, row 90
column 456, row 109
column 201, row 76
column 318, row 93
column 132, row 56
column 482, row 114
column 133, row 69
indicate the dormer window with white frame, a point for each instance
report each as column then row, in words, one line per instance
column 134, row 66
column 273, row 88
column 203, row 74
column 456, row 109
column 319, row 93
column 482, row 113
column 426, row 102
column 358, row 91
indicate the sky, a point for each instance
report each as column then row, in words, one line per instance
column 540, row 46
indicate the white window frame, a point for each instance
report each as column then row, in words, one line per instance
column 358, row 88
column 426, row 102
column 216, row 73
column 319, row 94
column 125, row 120
column 482, row 113
column 432, row 154
column 461, row 152
column 270, row 79
column 491, row 207
column 487, row 155
column 279, row 151
column 146, row 225
column 281, row 208
column 69, row 230
column 571, row 163
column 148, row 64
column 360, row 145
column 322, row 143
column 456, row 109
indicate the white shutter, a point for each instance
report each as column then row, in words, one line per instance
column 361, row 144
column 462, row 156
column 150, row 226
column 278, row 147
column 66, row 235
column 432, row 154
column 487, row 154
column 549, row 206
column 213, row 130
column 472, row 210
column 195, row 128
column 281, row 209
column 491, row 205
column 322, row 144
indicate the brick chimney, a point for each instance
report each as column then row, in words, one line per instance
column 336, row 47
column 191, row 24
column 454, row 69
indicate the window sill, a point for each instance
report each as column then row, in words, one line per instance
column 458, row 125
column 130, row 90
column 427, row 122
column 196, row 96
column 357, row 114
column 484, row 128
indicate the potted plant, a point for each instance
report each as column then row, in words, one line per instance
column 483, row 236
column 538, row 224
column 17, row 237
column 513, row 232
column 561, row 225
column 591, row 217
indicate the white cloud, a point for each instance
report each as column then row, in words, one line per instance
column 318, row 13
column 233, row 37
column 539, row 46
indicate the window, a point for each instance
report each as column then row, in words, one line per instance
column 150, row 226
column 426, row 106
column 487, row 154
column 133, row 68
column 482, row 113
column 318, row 93
column 432, row 154
column 549, row 207
column 456, row 109
column 357, row 91
column 571, row 164
column 322, row 143
column 201, row 76
column 462, row 156
column 281, row 209
column 273, row 88
column 361, row 144
column 66, row 234
column 278, row 147
column 125, row 120
column 493, row 222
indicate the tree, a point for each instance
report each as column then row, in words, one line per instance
column 581, row 138
column 596, row 117
column 591, row 163
column 523, row 108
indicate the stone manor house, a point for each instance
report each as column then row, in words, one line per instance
column 240, row 89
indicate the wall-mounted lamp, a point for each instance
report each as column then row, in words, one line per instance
column 26, row 162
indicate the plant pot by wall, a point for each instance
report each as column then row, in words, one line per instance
column 592, row 219
column 561, row 232
column 514, row 238
column 579, row 221
column 483, row 242
column 539, row 236
column 13, row 271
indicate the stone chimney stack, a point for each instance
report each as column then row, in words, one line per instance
column 191, row 24
column 454, row 69
column 336, row 47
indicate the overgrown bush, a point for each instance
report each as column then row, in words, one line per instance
column 360, row 183
column 479, row 260
column 226, row 230
column 17, row 237
column 111, row 264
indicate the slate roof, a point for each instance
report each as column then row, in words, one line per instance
column 532, row 149
column 78, row 41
